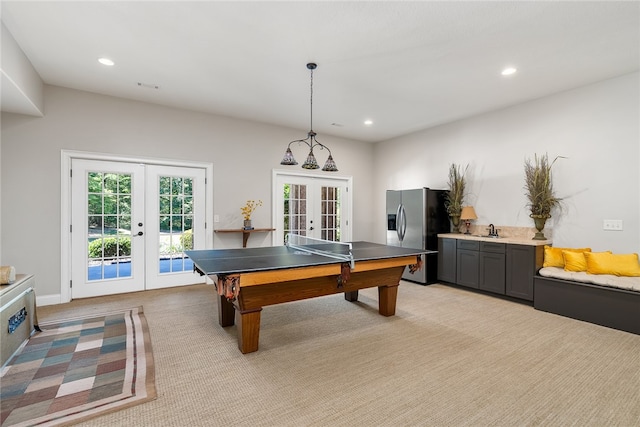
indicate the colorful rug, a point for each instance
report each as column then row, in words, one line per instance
column 77, row 369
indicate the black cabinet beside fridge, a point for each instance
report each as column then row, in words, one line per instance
column 414, row 219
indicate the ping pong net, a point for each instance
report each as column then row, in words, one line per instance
column 338, row 250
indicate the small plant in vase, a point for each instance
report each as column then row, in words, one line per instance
column 455, row 197
column 247, row 210
column 539, row 191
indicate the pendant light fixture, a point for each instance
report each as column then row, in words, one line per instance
column 311, row 142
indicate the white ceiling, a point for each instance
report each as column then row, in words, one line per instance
column 405, row 65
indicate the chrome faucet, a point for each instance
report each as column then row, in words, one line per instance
column 492, row 231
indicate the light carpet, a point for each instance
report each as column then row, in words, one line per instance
column 79, row 368
column 450, row 357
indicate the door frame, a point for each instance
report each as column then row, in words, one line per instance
column 66, row 156
column 274, row 199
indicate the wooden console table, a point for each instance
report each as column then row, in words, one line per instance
column 245, row 233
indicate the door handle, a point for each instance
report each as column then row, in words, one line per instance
column 140, row 233
column 399, row 222
column 404, row 222
column 310, row 228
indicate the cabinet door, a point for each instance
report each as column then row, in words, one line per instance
column 492, row 272
column 522, row 263
column 467, row 270
column 447, row 260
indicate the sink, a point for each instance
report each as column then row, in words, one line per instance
column 486, row 236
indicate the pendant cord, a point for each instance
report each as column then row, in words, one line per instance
column 311, row 103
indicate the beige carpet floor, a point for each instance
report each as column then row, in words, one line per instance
column 450, row 357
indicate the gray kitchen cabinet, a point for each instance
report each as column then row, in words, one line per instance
column 500, row 268
column 492, row 267
column 447, row 260
column 468, row 263
column 522, row 263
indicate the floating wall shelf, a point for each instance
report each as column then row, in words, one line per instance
column 245, row 233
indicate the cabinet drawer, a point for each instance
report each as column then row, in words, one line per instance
column 498, row 248
column 469, row 245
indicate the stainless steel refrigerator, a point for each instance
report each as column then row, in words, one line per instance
column 414, row 219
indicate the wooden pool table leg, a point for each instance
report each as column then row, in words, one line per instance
column 387, row 296
column 351, row 296
column 226, row 311
column 248, row 329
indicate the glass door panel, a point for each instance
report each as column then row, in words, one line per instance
column 175, row 223
column 109, row 225
column 295, row 209
column 330, row 225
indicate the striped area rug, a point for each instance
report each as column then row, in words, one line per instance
column 79, row 368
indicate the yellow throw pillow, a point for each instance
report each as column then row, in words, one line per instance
column 616, row 264
column 574, row 261
column 553, row 256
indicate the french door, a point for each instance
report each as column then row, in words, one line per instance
column 131, row 224
column 315, row 207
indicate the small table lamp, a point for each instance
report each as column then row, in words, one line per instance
column 467, row 214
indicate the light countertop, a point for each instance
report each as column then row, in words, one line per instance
column 509, row 240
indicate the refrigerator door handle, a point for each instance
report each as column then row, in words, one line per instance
column 403, row 222
column 399, row 222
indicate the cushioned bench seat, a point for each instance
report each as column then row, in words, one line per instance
column 597, row 298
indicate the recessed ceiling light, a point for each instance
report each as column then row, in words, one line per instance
column 106, row 61
column 509, row 71
column 368, row 122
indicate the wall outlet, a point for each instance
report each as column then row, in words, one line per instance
column 612, row 224
column 216, row 218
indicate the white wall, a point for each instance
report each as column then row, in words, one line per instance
column 243, row 154
column 596, row 127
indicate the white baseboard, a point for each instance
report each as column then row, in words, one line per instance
column 47, row 299
column 42, row 300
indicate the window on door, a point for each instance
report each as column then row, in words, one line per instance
column 175, row 219
column 295, row 209
column 311, row 206
column 109, row 225
column 330, row 224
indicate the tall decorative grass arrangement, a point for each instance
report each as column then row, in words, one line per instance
column 455, row 197
column 539, row 186
column 539, row 191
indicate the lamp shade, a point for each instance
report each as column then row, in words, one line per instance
column 468, row 213
column 288, row 158
column 311, row 162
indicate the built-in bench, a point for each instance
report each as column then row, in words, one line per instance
column 605, row 300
